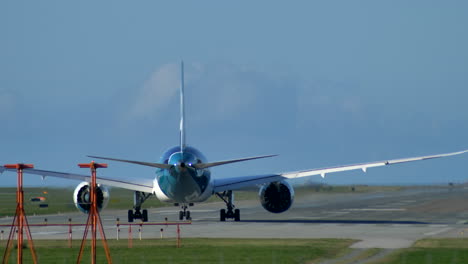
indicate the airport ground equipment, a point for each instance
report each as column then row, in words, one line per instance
column 142, row 224
column 20, row 222
column 94, row 220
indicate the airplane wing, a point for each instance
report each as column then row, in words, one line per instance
column 142, row 185
column 235, row 183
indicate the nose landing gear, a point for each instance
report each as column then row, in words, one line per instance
column 184, row 213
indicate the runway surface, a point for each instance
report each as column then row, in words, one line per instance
column 389, row 219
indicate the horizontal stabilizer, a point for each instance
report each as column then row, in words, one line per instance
column 149, row 164
column 218, row 163
column 196, row 166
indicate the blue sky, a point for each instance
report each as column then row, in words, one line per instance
column 320, row 83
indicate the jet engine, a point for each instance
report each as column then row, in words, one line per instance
column 276, row 197
column 82, row 197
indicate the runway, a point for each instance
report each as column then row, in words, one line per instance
column 388, row 219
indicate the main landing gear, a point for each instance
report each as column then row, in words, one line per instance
column 184, row 213
column 143, row 215
column 138, row 199
column 228, row 198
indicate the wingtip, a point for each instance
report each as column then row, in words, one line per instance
column 460, row 152
column 269, row 156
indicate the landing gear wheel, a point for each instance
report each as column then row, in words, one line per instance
column 130, row 216
column 138, row 199
column 144, row 216
column 237, row 215
column 185, row 213
column 222, row 215
column 181, row 215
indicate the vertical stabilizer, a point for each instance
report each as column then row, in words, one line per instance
column 182, row 109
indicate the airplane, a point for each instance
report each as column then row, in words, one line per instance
column 183, row 178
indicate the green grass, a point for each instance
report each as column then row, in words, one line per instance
column 442, row 243
column 427, row 256
column 428, row 251
column 360, row 257
column 193, row 250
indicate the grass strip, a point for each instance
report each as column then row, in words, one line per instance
column 433, row 250
column 194, row 250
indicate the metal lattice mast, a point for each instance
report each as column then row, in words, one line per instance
column 20, row 222
column 94, row 220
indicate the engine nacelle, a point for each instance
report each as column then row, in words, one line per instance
column 276, row 197
column 82, row 197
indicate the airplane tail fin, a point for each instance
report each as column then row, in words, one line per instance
column 182, row 109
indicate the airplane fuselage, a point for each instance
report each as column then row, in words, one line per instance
column 183, row 183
